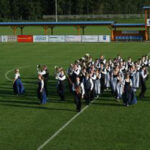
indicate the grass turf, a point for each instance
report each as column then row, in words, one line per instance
column 105, row 125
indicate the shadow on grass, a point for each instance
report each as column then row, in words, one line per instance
column 37, row 107
column 108, row 104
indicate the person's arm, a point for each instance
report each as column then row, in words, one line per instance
column 83, row 90
column 42, row 72
column 56, row 77
column 73, row 87
column 16, row 77
column 42, row 85
column 131, row 83
column 62, row 78
column 99, row 76
column 92, row 85
column 77, row 72
column 104, row 72
column 143, row 75
column 94, row 77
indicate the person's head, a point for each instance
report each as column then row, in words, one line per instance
column 87, row 75
column 44, row 67
column 75, row 67
column 102, row 65
column 78, row 79
column 17, row 70
column 62, row 71
column 129, row 59
column 118, row 56
column 144, row 68
column 127, row 75
column 146, row 57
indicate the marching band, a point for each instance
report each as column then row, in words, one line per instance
column 88, row 79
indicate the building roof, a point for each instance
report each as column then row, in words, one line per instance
column 146, row 7
column 56, row 23
column 128, row 25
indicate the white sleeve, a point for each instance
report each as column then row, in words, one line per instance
column 16, row 76
column 94, row 77
column 61, row 78
column 73, row 87
column 42, row 84
column 77, row 72
column 130, row 82
column 143, row 76
column 92, row 85
column 79, row 68
column 99, row 76
column 104, row 72
column 82, row 87
column 42, row 72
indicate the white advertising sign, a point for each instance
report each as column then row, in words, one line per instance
column 56, row 38
column 89, row 38
column 148, row 22
column 12, row 38
column 4, row 38
column 104, row 38
column 73, row 38
column 40, row 38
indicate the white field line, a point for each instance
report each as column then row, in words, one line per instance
column 62, row 128
column 11, row 70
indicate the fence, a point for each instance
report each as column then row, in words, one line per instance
column 94, row 17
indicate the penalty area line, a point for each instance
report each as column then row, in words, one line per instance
column 62, row 128
column 11, row 70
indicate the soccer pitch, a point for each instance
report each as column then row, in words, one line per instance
column 104, row 125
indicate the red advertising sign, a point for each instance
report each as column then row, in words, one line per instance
column 25, row 38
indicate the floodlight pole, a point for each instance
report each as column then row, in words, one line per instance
column 56, row 11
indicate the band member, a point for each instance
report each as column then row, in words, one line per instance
column 98, row 84
column 128, row 95
column 107, row 76
column 103, row 74
column 42, row 70
column 133, row 77
column 138, row 67
column 46, row 78
column 111, row 74
column 114, row 80
column 88, row 85
column 79, row 92
column 41, row 90
column 60, row 76
column 17, row 84
column 120, row 86
column 144, row 75
column 93, row 77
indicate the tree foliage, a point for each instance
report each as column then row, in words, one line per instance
column 35, row 9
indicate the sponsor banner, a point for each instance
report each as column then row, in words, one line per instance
column 56, row 38
column 73, row 38
column 40, row 38
column 104, row 38
column 89, row 38
column 4, row 38
column 148, row 22
column 25, row 38
column 12, row 38
column 130, row 32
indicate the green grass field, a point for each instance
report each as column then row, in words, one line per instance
column 105, row 125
